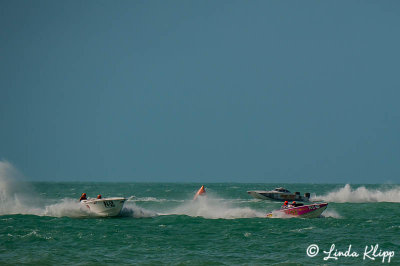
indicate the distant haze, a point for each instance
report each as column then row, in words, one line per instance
column 201, row 91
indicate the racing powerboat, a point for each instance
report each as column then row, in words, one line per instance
column 104, row 207
column 280, row 194
column 299, row 210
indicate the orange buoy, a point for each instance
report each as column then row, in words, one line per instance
column 200, row 192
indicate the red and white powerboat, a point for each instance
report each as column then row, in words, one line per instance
column 299, row 210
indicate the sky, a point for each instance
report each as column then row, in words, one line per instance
column 201, row 91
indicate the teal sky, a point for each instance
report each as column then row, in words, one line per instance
column 201, row 91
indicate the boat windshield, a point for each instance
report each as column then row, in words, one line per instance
column 281, row 189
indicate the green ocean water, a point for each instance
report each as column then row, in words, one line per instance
column 41, row 224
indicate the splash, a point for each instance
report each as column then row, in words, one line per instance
column 16, row 196
column 66, row 208
column 360, row 195
column 212, row 208
column 132, row 210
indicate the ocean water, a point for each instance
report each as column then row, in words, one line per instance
column 42, row 224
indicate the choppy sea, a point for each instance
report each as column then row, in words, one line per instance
column 41, row 223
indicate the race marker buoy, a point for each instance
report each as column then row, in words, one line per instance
column 200, row 192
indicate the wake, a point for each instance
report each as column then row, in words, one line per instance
column 213, row 208
column 360, row 195
column 19, row 197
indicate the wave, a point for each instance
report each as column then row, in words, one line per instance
column 331, row 213
column 360, row 195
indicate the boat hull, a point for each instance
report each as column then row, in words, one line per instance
column 106, row 207
column 305, row 211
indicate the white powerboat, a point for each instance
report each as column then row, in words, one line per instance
column 104, row 207
column 280, row 194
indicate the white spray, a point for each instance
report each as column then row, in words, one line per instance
column 361, row 194
column 212, row 208
column 18, row 197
